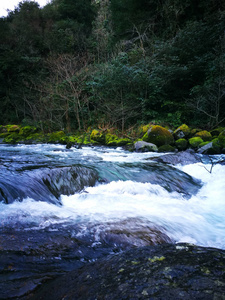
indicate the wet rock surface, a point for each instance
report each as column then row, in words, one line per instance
column 44, row 184
column 166, row 271
column 184, row 158
column 32, row 258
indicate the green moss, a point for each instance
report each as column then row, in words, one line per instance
column 114, row 140
column 13, row 128
column 143, row 129
column 97, row 137
column 4, row 134
column 57, row 137
column 204, row 135
column 181, row 144
column 111, row 139
column 156, row 258
column 27, row 130
column 35, row 137
column 166, row 148
column 216, row 145
column 135, row 262
column 194, row 131
column 3, row 129
column 203, row 144
column 11, row 138
column 195, row 142
column 182, row 132
column 216, row 132
column 158, row 135
column 221, row 139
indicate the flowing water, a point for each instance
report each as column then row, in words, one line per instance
column 132, row 196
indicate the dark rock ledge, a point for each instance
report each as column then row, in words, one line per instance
column 168, row 271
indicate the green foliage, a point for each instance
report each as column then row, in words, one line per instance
column 59, row 68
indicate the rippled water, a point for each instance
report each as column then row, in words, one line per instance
column 123, row 195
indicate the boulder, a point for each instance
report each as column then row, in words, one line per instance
column 210, row 147
column 159, row 136
column 182, row 132
column 114, row 140
column 13, row 128
column 180, row 271
column 97, row 136
column 167, row 148
column 195, row 142
column 204, row 135
column 216, row 132
column 221, row 139
column 142, row 146
column 184, row 158
column 181, row 144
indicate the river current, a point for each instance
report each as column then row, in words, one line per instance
column 122, row 197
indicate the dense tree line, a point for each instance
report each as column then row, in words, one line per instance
column 76, row 63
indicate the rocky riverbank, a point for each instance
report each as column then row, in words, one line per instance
column 149, row 137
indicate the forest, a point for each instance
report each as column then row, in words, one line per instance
column 76, row 64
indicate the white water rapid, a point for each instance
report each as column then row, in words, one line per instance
column 199, row 220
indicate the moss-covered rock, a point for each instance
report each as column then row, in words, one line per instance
column 13, row 128
column 221, row 139
column 210, row 147
column 195, row 142
column 181, row 144
column 194, row 131
column 27, row 130
column 57, row 137
column 11, row 138
column 143, row 129
column 111, row 139
column 182, row 132
column 167, row 148
column 3, row 129
column 204, row 135
column 216, row 145
column 97, row 137
column 114, row 140
column 203, row 144
column 159, row 136
column 216, row 132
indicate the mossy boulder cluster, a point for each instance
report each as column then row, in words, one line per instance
column 13, row 134
column 146, row 138
column 182, row 138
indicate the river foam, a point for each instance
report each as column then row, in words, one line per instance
column 199, row 220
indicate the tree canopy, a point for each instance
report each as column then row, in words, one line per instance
column 119, row 62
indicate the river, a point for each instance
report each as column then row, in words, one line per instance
column 124, row 199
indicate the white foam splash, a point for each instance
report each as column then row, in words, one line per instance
column 199, row 220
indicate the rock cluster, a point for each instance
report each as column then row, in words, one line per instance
column 161, row 139
column 149, row 138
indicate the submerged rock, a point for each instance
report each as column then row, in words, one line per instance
column 180, row 271
column 184, row 158
column 45, row 184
